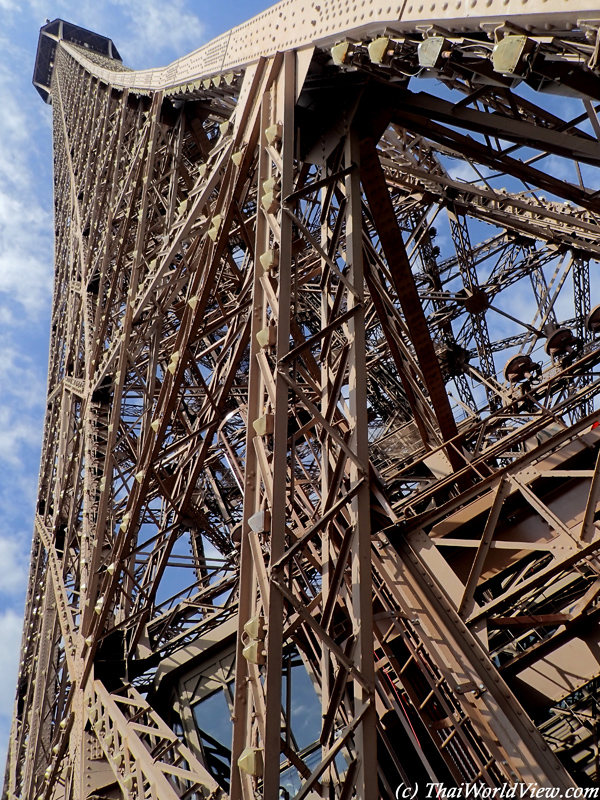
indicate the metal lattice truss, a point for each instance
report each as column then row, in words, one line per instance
column 323, row 361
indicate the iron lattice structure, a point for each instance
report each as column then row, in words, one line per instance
column 321, row 437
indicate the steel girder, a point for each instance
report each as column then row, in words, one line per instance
column 266, row 373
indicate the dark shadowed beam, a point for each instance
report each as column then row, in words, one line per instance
column 418, row 123
column 570, row 144
column 390, row 236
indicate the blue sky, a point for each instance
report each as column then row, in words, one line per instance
column 147, row 33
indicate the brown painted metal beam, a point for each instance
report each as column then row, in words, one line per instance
column 378, row 197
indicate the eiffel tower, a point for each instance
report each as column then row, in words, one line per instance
column 318, row 501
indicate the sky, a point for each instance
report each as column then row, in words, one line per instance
column 148, row 33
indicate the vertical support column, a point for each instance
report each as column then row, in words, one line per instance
column 476, row 305
column 362, row 599
column 257, row 717
column 285, row 111
column 582, row 298
column 327, row 474
column 38, row 734
column 241, row 783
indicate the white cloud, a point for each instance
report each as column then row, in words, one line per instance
column 20, row 440
column 14, row 560
column 25, row 226
column 14, row 434
column 159, row 26
column 10, row 636
column 461, row 171
column 11, row 626
column 147, row 33
column 20, row 377
column 25, row 250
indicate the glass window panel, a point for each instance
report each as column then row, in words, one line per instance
column 213, row 720
column 305, row 705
